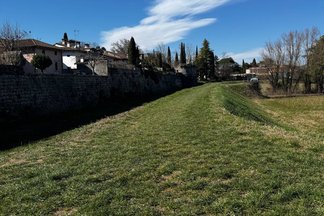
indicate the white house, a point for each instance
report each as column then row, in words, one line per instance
column 72, row 53
column 71, row 57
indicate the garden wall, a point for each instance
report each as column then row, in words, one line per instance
column 22, row 95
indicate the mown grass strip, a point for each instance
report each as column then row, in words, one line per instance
column 184, row 154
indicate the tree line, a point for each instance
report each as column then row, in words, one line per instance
column 208, row 65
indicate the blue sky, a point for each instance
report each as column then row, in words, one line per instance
column 238, row 28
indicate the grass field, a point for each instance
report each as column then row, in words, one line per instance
column 208, row 150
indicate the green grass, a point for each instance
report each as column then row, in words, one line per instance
column 238, row 104
column 185, row 154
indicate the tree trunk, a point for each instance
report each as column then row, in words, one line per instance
column 321, row 80
column 307, row 84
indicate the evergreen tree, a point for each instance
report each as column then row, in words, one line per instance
column 137, row 54
column 132, row 52
column 206, row 61
column 65, row 37
column 183, row 59
column 41, row 62
column 316, row 64
column 216, row 60
column 211, row 65
column 254, row 63
column 197, row 53
column 243, row 66
column 159, row 60
column 176, row 60
column 169, row 61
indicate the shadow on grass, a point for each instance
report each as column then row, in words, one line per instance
column 16, row 133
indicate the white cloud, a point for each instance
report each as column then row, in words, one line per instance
column 168, row 21
column 248, row 56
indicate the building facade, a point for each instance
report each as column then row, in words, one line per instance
column 31, row 47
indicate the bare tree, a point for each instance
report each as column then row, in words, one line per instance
column 9, row 39
column 94, row 56
column 190, row 52
column 9, row 36
column 292, row 42
column 120, row 47
column 163, row 49
column 284, row 60
column 274, row 58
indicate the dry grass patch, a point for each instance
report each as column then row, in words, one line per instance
column 65, row 212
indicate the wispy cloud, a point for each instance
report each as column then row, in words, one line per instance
column 248, row 56
column 167, row 21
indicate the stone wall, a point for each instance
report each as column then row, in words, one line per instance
column 10, row 70
column 44, row 94
column 22, row 95
column 136, row 83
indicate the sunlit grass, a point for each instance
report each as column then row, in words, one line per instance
column 186, row 154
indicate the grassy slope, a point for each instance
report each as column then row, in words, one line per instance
column 183, row 154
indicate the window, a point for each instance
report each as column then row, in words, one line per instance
column 43, row 51
column 55, row 52
column 56, row 67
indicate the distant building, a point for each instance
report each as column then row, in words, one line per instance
column 114, row 57
column 262, row 72
column 31, row 47
column 187, row 70
column 73, row 53
column 74, row 44
column 72, row 57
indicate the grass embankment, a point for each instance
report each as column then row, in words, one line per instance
column 185, row 154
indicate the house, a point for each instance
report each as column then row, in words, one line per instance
column 31, row 47
column 262, row 72
column 76, row 56
column 72, row 57
column 114, row 57
column 73, row 53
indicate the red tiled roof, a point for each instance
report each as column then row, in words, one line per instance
column 115, row 55
column 35, row 43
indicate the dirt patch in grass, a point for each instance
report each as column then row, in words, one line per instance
column 171, row 177
column 65, row 212
column 13, row 162
column 16, row 161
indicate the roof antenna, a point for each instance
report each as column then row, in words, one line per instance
column 76, row 34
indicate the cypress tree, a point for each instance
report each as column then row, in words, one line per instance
column 65, row 37
column 159, row 59
column 211, row 64
column 176, row 60
column 132, row 52
column 169, row 56
column 137, row 55
column 243, row 66
column 183, row 60
column 254, row 63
